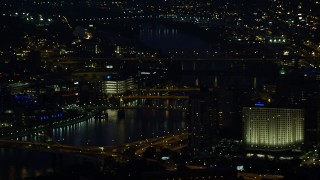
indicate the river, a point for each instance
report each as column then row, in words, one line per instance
column 138, row 124
column 169, row 40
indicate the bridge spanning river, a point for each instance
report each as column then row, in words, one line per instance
column 173, row 142
column 33, row 155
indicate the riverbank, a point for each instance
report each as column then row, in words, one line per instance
column 15, row 133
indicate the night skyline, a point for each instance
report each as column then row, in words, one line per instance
column 146, row 89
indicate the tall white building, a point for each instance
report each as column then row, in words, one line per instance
column 273, row 128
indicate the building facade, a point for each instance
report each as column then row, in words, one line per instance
column 273, row 129
column 203, row 123
column 117, row 85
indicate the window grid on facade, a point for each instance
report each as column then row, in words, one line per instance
column 272, row 128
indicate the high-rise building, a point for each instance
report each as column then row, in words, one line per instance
column 273, row 129
column 203, row 122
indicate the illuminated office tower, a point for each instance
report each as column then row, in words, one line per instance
column 117, row 85
column 273, row 129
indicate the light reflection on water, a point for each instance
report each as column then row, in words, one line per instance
column 168, row 39
column 137, row 124
column 114, row 131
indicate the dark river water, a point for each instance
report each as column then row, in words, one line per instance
column 169, row 39
column 137, row 125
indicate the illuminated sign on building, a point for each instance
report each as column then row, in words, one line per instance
column 259, row 104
